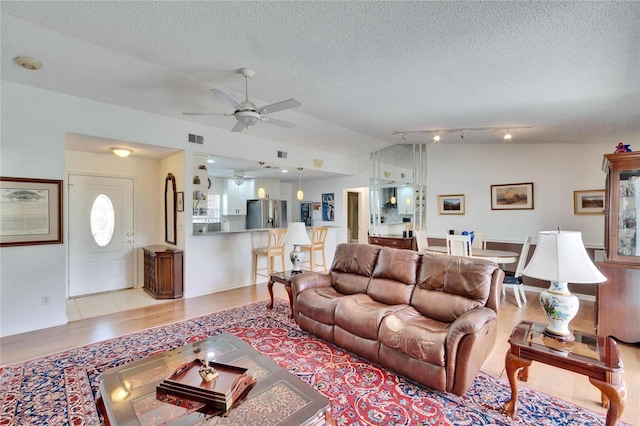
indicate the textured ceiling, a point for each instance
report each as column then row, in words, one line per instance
column 362, row 70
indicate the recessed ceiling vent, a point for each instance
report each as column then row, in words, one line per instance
column 282, row 154
column 196, row 139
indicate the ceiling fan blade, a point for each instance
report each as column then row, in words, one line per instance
column 228, row 99
column 277, row 122
column 238, row 127
column 279, row 106
column 204, row 113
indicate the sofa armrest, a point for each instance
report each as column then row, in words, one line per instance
column 307, row 280
column 469, row 342
column 470, row 322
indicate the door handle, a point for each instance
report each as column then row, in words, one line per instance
column 129, row 234
column 129, row 241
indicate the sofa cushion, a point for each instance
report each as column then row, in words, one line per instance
column 360, row 315
column 448, row 286
column 352, row 267
column 394, row 276
column 409, row 332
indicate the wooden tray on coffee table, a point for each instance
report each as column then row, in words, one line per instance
column 232, row 382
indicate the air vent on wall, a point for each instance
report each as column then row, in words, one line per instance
column 282, row 154
column 196, row 138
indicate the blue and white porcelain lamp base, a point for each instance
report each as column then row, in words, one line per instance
column 561, row 307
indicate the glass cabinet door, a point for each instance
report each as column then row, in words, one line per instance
column 628, row 208
column 623, row 207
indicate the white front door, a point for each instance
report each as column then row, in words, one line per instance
column 101, row 237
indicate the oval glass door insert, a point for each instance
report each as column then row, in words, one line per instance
column 102, row 220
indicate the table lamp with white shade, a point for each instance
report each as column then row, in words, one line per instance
column 560, row 257
column 297, row 236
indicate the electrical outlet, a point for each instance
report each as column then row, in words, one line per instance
column 45, row 300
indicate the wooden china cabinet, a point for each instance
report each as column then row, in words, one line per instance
column 618, row 299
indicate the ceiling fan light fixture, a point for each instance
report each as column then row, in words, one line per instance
column 122, row 152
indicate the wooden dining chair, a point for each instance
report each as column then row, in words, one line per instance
column 479, row 240
column 274, row 248
column 318, row 236
column 514, row 279
column 459, row 245
column 421, row 241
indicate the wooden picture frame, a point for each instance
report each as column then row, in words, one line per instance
column 180, row 201
column 31, row 211
column 451, row 204
column 512, row 196
column 589, row 201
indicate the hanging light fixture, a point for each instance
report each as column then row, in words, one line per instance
column 121, row 152
column 436, row 138
column 507, row 135
column 262, row 193
column 300, row 194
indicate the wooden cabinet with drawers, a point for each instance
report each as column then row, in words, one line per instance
column 408, row 243
column 163, row 272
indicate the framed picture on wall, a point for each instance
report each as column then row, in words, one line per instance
column 31, row 211
column 512, row 196
column 328, row 207
column 588, row 201
column 451, row 204
column 180, row 201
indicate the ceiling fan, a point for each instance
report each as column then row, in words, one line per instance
column 246, row 112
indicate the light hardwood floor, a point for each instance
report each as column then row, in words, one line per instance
column 553, row 381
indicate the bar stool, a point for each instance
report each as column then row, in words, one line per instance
column 318, row 235
column 275, row 248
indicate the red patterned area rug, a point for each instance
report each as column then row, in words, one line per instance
column 59, row 389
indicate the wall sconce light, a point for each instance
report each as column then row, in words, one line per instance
column 300, row 194
column 121, row 152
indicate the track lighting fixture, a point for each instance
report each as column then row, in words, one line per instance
column 461, row 131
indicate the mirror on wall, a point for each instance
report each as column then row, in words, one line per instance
column 397, row 188
column 170, row 209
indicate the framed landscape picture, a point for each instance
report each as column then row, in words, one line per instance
column 451, row 204
column 512, row 196
column 588, row 201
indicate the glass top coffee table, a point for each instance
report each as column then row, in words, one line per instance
column 128, row 393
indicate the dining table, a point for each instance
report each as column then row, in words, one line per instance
column 497, row 256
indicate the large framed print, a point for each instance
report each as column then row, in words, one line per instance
column 451, row 204
column 512, row 196
column 588, row 202
column 31, row 211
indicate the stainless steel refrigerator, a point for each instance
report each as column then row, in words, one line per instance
column 265, row 213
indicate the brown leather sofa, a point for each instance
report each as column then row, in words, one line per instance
column 432, row 318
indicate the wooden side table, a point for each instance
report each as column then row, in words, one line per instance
column 285, row 279
column 594, row 356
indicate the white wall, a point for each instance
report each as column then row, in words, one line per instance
column 555, row 170
column 33, row 127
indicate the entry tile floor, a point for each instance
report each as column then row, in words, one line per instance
column 108, row 303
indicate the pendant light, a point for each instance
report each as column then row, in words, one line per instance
column 262, row 193
column 300, row 194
